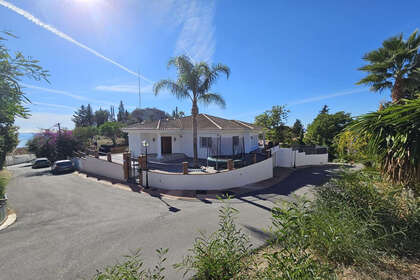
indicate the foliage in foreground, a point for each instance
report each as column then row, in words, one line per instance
column 354, row 221
column 4, row 178
column 13, row 67
column 393, row 138
column 132, row 269
column 220, row 255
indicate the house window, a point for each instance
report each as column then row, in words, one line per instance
column 235, row 140
column 205, row 142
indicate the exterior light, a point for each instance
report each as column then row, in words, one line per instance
column 146, row 144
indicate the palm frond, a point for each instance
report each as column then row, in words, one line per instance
column 209, row 98
column 175, row 88
column 396, row 60
column 394, row 139
column 210, row 75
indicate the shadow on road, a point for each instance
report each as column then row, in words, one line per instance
column 254, row 203
column 170, row 207
column 311, row 176
column 262, row 235
column 45, row 172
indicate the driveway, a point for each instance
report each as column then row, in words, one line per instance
column 69, row 226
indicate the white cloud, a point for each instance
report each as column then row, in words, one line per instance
column 130, row 88
column 66, row 93
column 54, row 105
column 60, row 34
column 38, row 121
column 328, row 96
column 62, row 92
column 197, row 32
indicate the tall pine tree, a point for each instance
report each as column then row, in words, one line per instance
column 122, row 115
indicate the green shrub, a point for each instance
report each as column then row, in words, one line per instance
column 3, row 182
column 220, row 255
column 132, row 269
column 391, row 210
column 334, row 235
column 392, row 136
column 293, row 264
column 353, row 221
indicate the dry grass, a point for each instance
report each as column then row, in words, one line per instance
column 102, row 140
column 387, row 268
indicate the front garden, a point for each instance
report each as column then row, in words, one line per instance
column 359, row 226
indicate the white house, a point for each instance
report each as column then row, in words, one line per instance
column 216, row 136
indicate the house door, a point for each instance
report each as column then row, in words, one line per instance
column 166, row 144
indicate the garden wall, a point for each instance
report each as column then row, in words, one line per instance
column 287, row 157
column 100, row 167
column 216, row 181
column 18, row 159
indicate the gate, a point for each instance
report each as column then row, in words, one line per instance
column 133, row 170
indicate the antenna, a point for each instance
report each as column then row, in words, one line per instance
column 139, row 91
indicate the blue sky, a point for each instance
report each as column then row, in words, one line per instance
column 300, row 53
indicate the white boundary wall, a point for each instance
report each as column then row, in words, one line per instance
column 18, row 159
column 216, row 181
column 100, row 167
column 303, row 159
column 286, row 157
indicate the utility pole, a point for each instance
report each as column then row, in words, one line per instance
column 59, row 129
column 139, row 91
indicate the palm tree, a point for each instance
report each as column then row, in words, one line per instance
column 194, row 82
column 393, row 139
column 393, row 66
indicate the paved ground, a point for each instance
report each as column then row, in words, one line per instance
column 69, row 226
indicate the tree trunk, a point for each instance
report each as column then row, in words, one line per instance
column 397, row 90
column 194, row 113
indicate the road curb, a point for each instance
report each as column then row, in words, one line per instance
column 11, row 219
column 188, row 195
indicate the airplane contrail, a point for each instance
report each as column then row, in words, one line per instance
column 322, row 97
column 57, row 32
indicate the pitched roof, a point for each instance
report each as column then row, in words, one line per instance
column 204, row 122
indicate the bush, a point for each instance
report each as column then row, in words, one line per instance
column 391, row 209
column 111, row 130
column 3, row 182
column 8, row 142
column 351, row 147
column 392, row 136
column 221, row 255
column 132, row 269
column 354, row 220
column 293, row 264
column 53, row 145
column 84, row 135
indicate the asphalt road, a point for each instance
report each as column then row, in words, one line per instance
column 69, row 226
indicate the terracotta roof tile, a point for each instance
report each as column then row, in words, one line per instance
column 204, row 122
